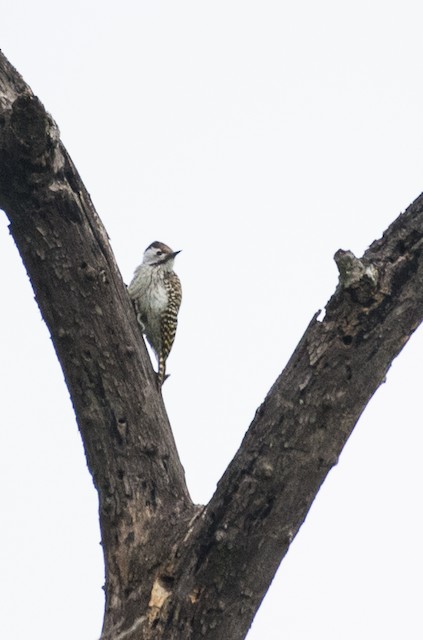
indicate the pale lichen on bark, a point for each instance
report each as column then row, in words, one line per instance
column 353, row 271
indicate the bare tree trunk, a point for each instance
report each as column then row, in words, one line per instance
column 174, row 570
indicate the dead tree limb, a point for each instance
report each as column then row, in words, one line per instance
column 174, row 570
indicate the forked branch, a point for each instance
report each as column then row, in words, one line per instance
column 174, row 570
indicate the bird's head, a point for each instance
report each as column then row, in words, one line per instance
column 159, row 254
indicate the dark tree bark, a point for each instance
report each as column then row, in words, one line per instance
column 175, row 570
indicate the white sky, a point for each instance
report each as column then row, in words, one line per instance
column 259, row 137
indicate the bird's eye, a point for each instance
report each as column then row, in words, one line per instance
column 159, row 253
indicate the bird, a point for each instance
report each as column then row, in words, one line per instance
column 156, row 293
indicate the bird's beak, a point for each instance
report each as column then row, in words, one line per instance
column 170, row 256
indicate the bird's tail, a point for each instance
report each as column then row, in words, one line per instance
column 162, row 370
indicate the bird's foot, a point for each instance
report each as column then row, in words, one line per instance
column 161, row 381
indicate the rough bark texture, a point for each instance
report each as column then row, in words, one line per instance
column 173, row 570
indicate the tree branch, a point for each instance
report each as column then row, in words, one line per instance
column 174, row 571
column 129, row 446
column 300, row 430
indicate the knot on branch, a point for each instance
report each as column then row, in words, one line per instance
column 30, row 150
column 34, row 130
column 355, row 272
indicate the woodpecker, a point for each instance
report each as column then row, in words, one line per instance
column 156, row 293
